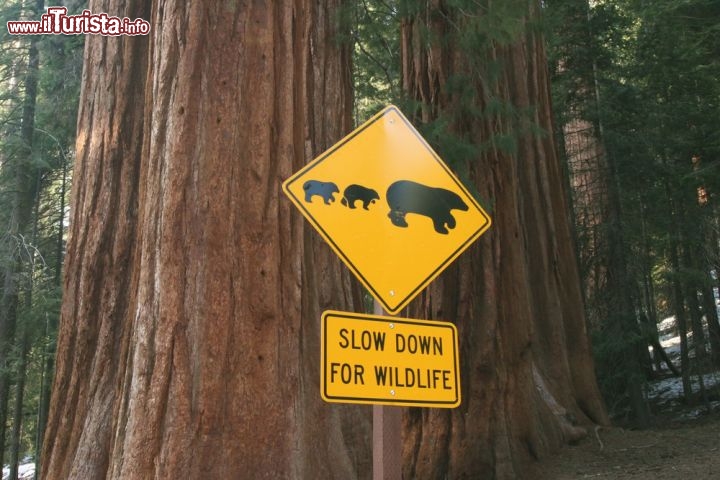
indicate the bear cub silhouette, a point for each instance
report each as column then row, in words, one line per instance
column 323, row 189
column 353, row 193
column 405, row 197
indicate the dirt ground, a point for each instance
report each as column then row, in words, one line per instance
column 673, row 449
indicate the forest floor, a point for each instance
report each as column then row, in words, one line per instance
column 672, row 449
column 683, row 442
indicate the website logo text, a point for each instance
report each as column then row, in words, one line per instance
column 56, row 21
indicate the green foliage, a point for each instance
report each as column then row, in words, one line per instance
column 32, row 252
column 613, row 351
column 375, row 36
column 646, row 76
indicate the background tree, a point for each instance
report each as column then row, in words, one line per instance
column 653, row 103
column 37, row 127
column 478, row 71
column 581, row 42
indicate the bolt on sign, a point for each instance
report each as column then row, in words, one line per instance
column 388, row 360
column 389, row 207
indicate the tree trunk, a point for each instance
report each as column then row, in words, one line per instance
column 700, row 363
column 98, row 291
column 17, row 421
column 649, row 321
column 188, row 345
column 51, row 326
column 526, row 368
column 691, row 291
column 678, row 297
column 712, row 263
column 711, row 316
column 621, row 324
column 8, row 326
column 24, row 346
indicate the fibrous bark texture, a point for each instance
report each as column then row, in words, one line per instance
column 188, row 345
column 527, row 372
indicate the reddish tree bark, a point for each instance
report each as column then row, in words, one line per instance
column 99, row 284
column 188, row 340
column 526, row 365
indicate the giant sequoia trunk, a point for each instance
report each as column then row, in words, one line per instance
column 188, row 339
column 527, row 370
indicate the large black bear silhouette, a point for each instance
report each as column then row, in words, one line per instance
column 353, row 193
column 323, row 189
column 405, row 196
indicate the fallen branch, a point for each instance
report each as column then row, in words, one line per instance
column 597, row 435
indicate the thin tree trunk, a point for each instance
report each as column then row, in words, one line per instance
column 50, row 331
column 681, row 321
column 711, row 316
column 691, row 292
column 8, row 314
column 44, row 400
column 712, row 247
column 622, row 323
column 679, row 299
column 24, row 347
column 659, row 353
column 17, row 424
column 8, row 320
column 691, row 289
column 663, row 356
column 649, row 320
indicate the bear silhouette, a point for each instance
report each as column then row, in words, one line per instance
column 353, row 193
column 405, row 196
column 323, row 189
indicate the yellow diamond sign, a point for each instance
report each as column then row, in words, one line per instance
column 389, row 207
column 389, row 360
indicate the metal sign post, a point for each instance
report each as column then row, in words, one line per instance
column 387, row 434
column 391, row 361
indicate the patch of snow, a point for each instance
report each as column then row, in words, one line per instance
column 668, row 393
column 670, row 340
column 669, row 390
column 698, row 411
column 667, row 325
column 671, row 345
column 25, row 472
